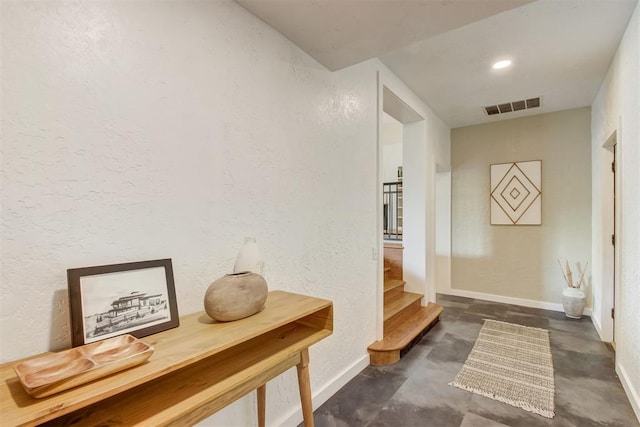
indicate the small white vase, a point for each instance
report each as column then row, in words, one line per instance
column 249, row 258
column 573, row 302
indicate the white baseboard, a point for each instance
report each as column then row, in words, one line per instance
column 294, row 417
column 509, row 300
column 596, row 324
column 632, row 393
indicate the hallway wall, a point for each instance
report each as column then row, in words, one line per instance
column 617, row 109
column 520, row 262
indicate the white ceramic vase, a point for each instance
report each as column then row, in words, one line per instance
column 573, row 302
column 249, row 258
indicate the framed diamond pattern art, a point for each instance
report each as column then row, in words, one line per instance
column 516, row 193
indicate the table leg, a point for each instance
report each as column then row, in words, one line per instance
column 305, row 388
column 262, row 402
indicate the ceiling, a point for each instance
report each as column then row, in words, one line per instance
column 443, row 49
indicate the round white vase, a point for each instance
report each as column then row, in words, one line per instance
column 573, row 302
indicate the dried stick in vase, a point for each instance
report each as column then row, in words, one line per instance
column 582, row 274
column 569, row 275
column 563, row 275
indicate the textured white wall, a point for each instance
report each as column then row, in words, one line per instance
column 520, row 261
column 617, row 109
column 414, row 201
column 133, row 132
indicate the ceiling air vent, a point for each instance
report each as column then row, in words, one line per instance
column 507, row 107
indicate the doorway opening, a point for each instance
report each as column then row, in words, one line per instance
column 392, row 190
column 401, row 199
column 406, row 155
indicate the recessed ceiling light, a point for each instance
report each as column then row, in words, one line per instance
column 501, row 64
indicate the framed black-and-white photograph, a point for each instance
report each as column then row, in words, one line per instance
column 136, row 298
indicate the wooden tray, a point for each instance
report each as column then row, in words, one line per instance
column 56, row 372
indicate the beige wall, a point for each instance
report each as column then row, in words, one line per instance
column 520, row 261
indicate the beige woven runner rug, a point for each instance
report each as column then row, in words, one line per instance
column 512, row 364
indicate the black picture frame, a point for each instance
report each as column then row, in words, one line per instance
column 136, row 298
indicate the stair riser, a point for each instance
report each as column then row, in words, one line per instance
column 380, row 358
column 393, row 259
column 392, row 293
column 398, row 303
column 404, row 335
column 399, row 318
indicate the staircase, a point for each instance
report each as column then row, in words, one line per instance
column 405, row 320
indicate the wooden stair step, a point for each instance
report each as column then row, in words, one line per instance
column 392, row 284
column 393, row 260
column 393, row 245
column 388, row 350
column 402, row 335
column 398, row 303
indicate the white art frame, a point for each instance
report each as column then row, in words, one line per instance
column 516, row 193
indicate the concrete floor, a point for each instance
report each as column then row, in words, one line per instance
column 415, row 391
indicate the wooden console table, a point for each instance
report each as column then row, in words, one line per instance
column 196, row 370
